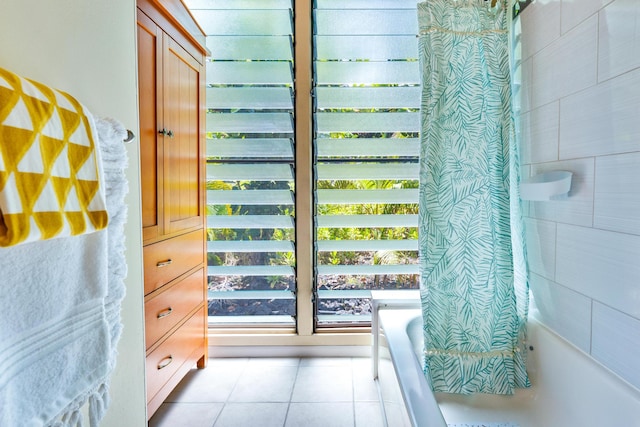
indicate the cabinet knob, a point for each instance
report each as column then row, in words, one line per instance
column 165, row 132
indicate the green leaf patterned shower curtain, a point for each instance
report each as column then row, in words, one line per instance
column 472, row 262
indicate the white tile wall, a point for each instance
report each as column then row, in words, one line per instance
column 540, row 26
column 563, row 310
column 541, row 247
column 587, row 68
column 616, row 342
column 619, row 39
column 600, row 264
column 617, row 193
column 539, row 136
column 602, row 119
column 576, row 11
column 526, row 69
column 567, row 65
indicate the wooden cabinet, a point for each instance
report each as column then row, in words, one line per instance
column 171, row 65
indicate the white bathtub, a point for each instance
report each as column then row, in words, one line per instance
column 568, row 387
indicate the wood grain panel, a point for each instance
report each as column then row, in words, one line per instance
column 150, row 102
column 171, row 355
column 167, row 309
column 164, row 261
column 182, row 163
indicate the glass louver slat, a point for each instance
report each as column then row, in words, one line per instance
column 362, row 269
column 250, row 221
column 253, row 319
column 249, row 197
column 368, row 122
column 371, row 148
column 238, row 4
column 238, row 148
column 368, row 97
column 350, row 197
column 363, row 4
column 244, row 22
column 366, row 221
column 274, row 123
column 367, row 171
column 366, row 22
column 257, row 295
column 255, row 48
column 250, row 246
column 344, row 293
column 250, row 270
column 249, row 98
column 371, row 48
column 366, row 245
column 249, row 172
column 249, row 73
column 368, row 73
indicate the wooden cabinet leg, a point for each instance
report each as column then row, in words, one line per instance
column 202, row 363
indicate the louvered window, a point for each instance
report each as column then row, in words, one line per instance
column 365, row 121
column 250, row 155
column 366, row 145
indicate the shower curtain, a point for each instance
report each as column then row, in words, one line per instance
column 474, row 289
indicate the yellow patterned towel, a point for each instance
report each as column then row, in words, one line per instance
column 49, row 170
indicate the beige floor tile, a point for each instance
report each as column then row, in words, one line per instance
column 320, row 415
column 186, row 414
column 252, row 415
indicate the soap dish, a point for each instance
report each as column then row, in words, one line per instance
column 553, row 185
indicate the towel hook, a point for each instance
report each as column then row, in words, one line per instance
column 130, row 136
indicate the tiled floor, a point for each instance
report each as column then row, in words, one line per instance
column 278, row 392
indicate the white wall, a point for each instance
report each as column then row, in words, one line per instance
column 580, row 104
column 87, row 48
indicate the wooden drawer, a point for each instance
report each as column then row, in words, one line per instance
column 166, row 260
column 166, row 360
column 166, row 310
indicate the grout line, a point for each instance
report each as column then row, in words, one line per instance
column 242, row 369
column 591, row 329
column 353, row 393
column 593, row 192
column 295, row 380
column 235, row 383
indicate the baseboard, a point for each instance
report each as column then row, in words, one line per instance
column 290, row 351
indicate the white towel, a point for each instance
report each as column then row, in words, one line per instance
column 60, row 312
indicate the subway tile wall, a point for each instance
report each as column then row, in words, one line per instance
column 579, row 110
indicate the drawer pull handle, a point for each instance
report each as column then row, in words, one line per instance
column 165, row 362
column 165, row 312
column 164, row 263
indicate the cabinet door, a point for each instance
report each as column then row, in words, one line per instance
column 182, row 144
column 150, row 97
